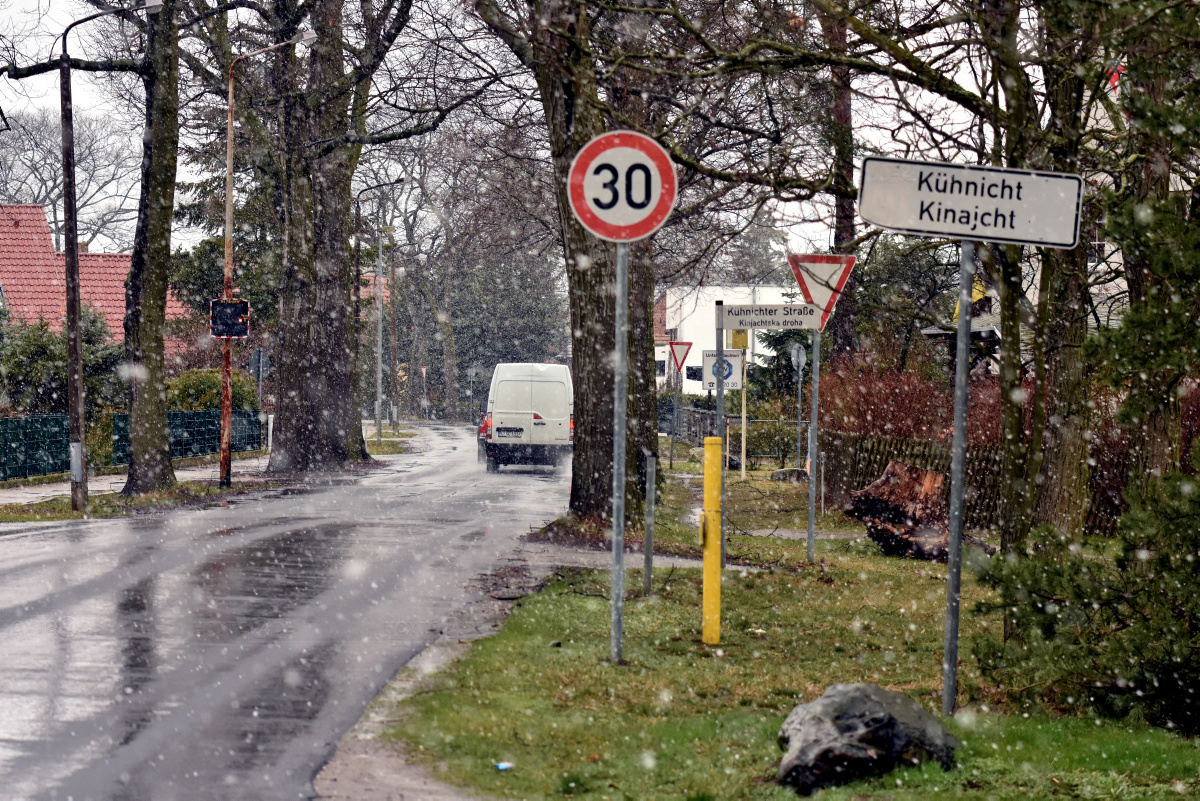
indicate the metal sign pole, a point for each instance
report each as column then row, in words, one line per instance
column 744, row 353
column 675, row 411
column 620, row 375
column 958, row 463
column 812, row 445
column 648, row 547
column 799, row 416
column 719, row 370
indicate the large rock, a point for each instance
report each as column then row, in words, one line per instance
column 792, row 474
column 858, row 730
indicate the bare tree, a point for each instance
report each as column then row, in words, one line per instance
column 105, row 174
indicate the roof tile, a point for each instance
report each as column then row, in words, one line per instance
column 32, row 274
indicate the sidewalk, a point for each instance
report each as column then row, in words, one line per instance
column 102, row 484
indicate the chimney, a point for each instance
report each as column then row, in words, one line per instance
column 82, row 246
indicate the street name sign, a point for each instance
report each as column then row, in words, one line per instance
column 987, row 204
column 732, row 372
column 821, row 278
column 789, row 315
column 679, row 352
column 621, row 186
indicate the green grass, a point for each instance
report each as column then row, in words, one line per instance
column 113, row 504
column 390, row 445
column 684, row 720
column 1042, row 757
column 755, row 504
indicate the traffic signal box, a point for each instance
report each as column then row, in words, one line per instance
column 229, row 319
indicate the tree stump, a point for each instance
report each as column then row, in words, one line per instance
column 904, row 513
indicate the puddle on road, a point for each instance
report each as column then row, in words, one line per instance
column 241, row 590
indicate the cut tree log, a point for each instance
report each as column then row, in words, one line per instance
column 904, row 513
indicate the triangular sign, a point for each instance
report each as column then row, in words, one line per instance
column 679, row 352
column 821, row 279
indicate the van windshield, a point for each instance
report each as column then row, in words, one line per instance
column 550, row 400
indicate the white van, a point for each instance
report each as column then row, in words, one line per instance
column 530, row 415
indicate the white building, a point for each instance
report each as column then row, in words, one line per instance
column 687, row 314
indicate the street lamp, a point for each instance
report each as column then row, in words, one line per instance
column 75, row 388
column 305, row 38
column 799, row 357
column 379, row 297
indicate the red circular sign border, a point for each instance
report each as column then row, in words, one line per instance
column 587, row 156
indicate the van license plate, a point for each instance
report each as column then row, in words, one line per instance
column 509, row 433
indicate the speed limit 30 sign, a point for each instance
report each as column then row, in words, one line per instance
column 622, row 186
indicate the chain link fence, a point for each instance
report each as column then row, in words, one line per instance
column 34, row 446
column 194, row 433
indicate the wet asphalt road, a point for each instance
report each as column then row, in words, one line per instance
column 221, row 653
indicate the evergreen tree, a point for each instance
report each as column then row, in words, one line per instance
column 1112, row 636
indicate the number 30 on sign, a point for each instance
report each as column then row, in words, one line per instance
column 622, row 186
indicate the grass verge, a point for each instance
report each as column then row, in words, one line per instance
column 684, row 720
column 754, row 504
column 113, row 504
column 391, row 444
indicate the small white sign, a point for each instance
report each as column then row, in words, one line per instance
column 792, row 315
column 732, row 369
column 988, row 204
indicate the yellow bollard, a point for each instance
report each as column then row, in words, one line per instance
column 710, row 539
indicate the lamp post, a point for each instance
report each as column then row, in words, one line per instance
column 306, row 38
column 799, row 357
column 75, row 387
column 379, row 297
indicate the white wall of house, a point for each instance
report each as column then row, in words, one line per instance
column 691, row 316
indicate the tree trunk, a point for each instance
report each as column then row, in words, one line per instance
column 318, row 425
column 642, row 428
column 146, row 288
column 1063, row 494
column 566, row 81
column 1156, row 428
column 449, row 351
column 414, row 384
column 842, row 134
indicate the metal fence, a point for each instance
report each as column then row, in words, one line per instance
column 769, row 442
column 194, row 433
column 34, row 446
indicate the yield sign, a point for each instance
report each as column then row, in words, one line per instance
column 821, row 279
column 679, row 352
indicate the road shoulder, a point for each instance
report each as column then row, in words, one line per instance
column 367, row 767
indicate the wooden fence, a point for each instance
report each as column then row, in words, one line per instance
column 852, row 461
column 862, row 459
column 869, row 456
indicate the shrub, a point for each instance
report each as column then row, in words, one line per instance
column 769, row 440
column 1116, row 636
column 99, row 434
column 33, row 366
column 195, row 390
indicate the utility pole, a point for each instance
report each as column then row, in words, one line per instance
column 379, row 329
column 76, row 393
column 307, row 38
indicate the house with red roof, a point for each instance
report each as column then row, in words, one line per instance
column 32, row 280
